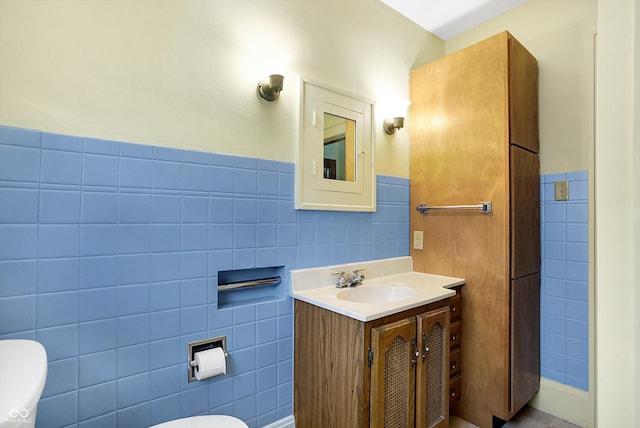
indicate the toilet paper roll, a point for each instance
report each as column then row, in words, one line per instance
column 211, row 362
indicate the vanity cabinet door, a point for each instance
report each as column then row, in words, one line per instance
column 393, row 374
column 432, row 374
column 410, row 372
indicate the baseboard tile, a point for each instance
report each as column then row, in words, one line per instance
column 562, row 401
column 288, row 422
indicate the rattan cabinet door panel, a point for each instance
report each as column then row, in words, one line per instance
column 393, row 374
column 432, row 371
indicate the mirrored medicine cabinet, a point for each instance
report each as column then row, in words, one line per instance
column 335, row 169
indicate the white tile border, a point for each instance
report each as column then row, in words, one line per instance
column 562, row 401
column 288, row 422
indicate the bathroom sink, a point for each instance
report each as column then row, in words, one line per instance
column 376, row 293
column 391, row 286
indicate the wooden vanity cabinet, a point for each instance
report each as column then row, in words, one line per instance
column 389, row 372
column 474, row 138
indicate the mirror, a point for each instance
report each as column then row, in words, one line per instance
column 335, row 169
column 339, row 148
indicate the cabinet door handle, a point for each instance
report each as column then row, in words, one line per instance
column 453, row 337
column 416, row 352
column 426, row 346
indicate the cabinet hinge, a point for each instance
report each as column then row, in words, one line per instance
column 370, row 357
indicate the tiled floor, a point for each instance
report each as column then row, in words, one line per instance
column 526, row 418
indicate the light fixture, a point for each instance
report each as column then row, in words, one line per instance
column 269, row 88
column 392, row 125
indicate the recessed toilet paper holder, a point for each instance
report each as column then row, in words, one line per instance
column 203, row 345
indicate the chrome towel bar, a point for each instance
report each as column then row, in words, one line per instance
column 253, row 283
column 484, row 207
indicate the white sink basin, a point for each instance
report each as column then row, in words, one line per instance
column 391, row 286
column 376, row 293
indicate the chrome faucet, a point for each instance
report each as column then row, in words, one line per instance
column 349, row 279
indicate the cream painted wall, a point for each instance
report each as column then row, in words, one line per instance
column 184, row 73
column 617, row 224
column 559, row 33
column 636, row 209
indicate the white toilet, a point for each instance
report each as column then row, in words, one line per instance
column 209, row 421
column 23, row 372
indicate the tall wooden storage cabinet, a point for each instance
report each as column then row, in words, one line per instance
column 474, row 138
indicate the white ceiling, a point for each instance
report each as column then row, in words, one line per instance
column 448, row 18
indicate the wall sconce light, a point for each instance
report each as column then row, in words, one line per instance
column 392, row 125
column 269, row 88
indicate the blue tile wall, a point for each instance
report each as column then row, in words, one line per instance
column 565, row 281
column 109, row 254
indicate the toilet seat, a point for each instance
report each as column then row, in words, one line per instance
column 208, row 421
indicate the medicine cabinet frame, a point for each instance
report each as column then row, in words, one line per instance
column 356, row 192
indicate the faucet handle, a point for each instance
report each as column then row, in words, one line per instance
column 343, row 277
column 349, row 279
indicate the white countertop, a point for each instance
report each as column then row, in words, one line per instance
column 317, row 286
